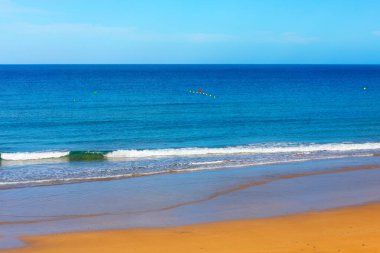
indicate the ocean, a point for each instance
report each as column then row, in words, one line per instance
column 62, row 124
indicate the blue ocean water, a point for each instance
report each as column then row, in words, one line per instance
column 66, row 123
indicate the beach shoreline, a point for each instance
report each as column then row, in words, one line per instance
column 348, row 229
column 232, row 199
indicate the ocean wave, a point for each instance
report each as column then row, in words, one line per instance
column 54, row 181
column 216, row 165
column 69, row 155
column 210, row 162
column 22, row 156
column 251, row 149
column 299, row 149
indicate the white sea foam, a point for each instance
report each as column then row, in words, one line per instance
column 23, row 156
column 195, row 151
column 251, row 149
column 209, row 162
column 53, row 181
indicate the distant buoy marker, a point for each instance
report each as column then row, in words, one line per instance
column 201, row 92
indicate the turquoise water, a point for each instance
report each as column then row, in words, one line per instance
column 72, row 123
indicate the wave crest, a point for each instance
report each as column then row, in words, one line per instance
column 251, row 149
column 194, row 151
column 23, row 156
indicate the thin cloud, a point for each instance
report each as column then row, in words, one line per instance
column 270, row 37
column 120, row 32
column 129, row 33
column 294, row 38
column 66, row 29
column 8, row 7
column 376, row 33
column 206, row 37
column 182, row 37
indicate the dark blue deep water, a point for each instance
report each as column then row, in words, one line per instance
column 62, row 122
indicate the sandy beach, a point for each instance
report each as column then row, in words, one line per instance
column 352, row 229
column 316, row 206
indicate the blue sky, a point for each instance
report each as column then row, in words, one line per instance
column 190, row 31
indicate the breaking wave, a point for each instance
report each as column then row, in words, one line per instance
column 194, row 151
column 250, row 149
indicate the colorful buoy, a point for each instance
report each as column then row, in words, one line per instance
column 200, row 92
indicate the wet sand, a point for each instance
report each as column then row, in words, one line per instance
column 212, row 196
column 153, row 209
column 352, row 229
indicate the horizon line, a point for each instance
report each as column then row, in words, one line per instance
column 4, row 64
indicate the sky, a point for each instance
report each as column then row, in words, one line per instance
column 190, row 31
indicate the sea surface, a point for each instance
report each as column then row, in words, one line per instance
column 62, row 124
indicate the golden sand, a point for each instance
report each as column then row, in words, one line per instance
column 353, row 229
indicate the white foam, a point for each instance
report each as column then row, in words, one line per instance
column 210, row 162
column 182, row 152
column 141, row 174
column 251, row 149
column 22, row 156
